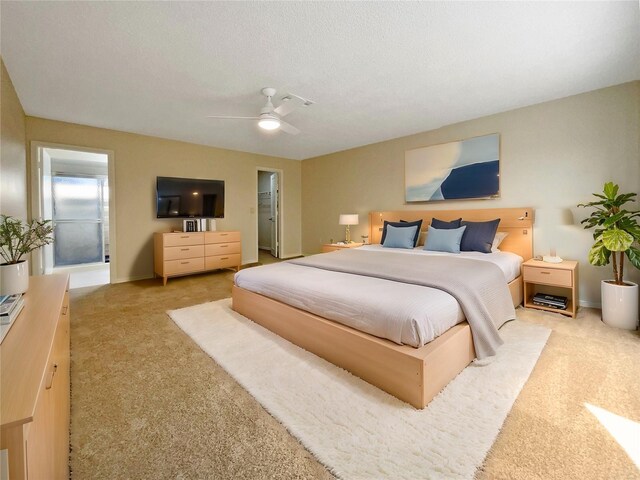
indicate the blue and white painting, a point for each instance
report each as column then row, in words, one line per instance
column 454, row 171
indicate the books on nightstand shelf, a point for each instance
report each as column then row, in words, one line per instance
column 550, row 301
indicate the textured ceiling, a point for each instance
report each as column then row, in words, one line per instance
column 377, row 70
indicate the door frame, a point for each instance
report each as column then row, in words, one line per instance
column 36, row 200
column 280, row 199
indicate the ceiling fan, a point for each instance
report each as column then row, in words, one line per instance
column 270, row 117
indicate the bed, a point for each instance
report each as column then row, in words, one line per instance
column 412, row 364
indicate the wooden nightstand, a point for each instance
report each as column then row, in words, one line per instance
column 554, row 279
column 332, row 247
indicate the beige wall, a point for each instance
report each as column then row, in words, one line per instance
column 13, row 171
column 139, row 159
column 553, row 154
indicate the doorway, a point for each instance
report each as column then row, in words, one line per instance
column 73, row 192
column 269, row 214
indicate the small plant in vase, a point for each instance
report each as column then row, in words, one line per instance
column 616, row 236
column 17, row 239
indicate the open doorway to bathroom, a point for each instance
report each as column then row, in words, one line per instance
column 73, row 192
column 269, row 243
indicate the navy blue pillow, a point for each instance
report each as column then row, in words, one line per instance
column 401, row 224
column 442, row 225
column 478, row 236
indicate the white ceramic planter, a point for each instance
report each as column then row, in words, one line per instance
column 14, row 278
column 620, row 305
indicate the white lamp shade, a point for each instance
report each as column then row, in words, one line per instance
column 549, row 223
column 348, row 219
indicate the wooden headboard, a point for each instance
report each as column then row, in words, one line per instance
column 517, row 222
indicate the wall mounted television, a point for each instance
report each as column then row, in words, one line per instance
column 189, row 198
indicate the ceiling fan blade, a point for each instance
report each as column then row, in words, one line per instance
column 287, row 127
column 286, row 107
column 233, row 118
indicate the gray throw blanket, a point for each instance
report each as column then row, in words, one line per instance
column 478, row 286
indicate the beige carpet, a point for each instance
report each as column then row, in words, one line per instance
column 147, row 403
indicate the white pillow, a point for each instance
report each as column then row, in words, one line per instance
column 497, row 240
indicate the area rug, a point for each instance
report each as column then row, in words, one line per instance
column 356, row 430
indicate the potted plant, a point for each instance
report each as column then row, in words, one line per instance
column 616, row 236
column 17, row 239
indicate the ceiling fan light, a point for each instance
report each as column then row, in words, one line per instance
column 269, row 123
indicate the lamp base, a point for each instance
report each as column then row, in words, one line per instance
column 550, row 259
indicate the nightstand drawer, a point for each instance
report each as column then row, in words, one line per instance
column 332, row 247
column 550, row 276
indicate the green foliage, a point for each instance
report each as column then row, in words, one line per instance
column 18, row 238
column 616, row 230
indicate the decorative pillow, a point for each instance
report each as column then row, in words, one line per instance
column 447, row 240
column 442, row 225
column 497, row 240
column 417, row 223
column 478, row 236
column 400, row 237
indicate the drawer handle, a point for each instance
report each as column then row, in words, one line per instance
column 224, row 258
column 49, row 382
column 184, row 236
column 185, row 249
column 65, row 309
column 224, row 246
column 545, row 273
column 224, row 234
column 184, row 263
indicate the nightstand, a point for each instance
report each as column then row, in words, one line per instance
column 554, row 279
column 332, row 247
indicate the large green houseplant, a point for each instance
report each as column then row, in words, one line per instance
column 616, row 235
column 17, row 239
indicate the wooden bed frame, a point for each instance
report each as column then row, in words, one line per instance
column 414, row 375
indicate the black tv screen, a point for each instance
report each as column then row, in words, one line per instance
column 189, row 197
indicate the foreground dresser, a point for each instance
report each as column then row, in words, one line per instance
column 35, row 384
column 182, row 253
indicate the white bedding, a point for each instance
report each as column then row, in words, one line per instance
column 508, row 262
column 403, row 313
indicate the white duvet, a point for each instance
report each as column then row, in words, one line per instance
column 403, row 313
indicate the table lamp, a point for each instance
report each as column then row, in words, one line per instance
column 549, row 219
column 348, row 219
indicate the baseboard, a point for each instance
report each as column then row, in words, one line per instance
column 131, row 279
column 290, row 257
column 587, row 304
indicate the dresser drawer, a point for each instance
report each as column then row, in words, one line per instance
column 221, row 237
column 178, row 253
column 222, row 261
column 550, row 276
column 175, row 267
column 178, row 239
column 221, row 248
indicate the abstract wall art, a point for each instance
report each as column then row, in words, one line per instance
column 454, row 171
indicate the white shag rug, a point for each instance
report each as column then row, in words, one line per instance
column 352, row 427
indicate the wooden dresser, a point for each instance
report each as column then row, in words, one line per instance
column 181, row 253
column 35, row 408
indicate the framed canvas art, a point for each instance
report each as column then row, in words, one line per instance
column 454, row 171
